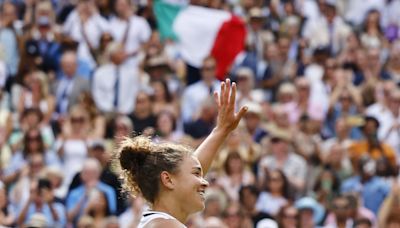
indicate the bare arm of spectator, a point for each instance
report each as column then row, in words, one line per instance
column 227, row 121
column 387, row 206
column 49, row 199
column 51, row 104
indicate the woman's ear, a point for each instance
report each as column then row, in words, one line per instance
column 167, row 180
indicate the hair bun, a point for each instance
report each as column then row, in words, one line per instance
column 133, row 152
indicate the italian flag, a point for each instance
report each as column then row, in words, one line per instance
column 200, row 32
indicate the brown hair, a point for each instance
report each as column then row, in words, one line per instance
column 142, row 162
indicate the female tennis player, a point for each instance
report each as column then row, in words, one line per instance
column 170, row 176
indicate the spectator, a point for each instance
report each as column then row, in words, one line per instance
column 85, row 25
column 235, row 175
column 195, row 94
column 119, row 95
column 131, row 31
column 374, row 189
column 79, row 199
column 70, row 85
column 143, row 119
column 248, row 195
column 288, row 217
column 276, row 190
column 283, row 158
column 373, row 147
column 42, row 201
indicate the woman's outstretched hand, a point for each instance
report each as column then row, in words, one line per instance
column 227, row 119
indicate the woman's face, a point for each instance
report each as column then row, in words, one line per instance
column 190, row 185
column 100, row 203
column 275, row 181
column 235, row 165
column 165, row 123
column 290, row 216
column 159, row 92
column 33, row 141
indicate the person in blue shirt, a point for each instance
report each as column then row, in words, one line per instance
column 78, row 199
column 372, row 189
column 41, row 201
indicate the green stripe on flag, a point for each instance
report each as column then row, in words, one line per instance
column 165, row 15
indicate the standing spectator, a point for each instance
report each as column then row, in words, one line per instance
column 372, row 147
column 131, row 31
column 69, row 85
column 115, row 85
column 196, row 93
column 9, row 39
column 85, row 25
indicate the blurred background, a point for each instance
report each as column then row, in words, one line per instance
column 319, row 146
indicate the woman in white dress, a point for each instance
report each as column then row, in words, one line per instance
column 170, row 176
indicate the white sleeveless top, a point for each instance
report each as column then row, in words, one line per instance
column 149, row 216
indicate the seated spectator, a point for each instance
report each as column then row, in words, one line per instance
column 199, row 128
column 371, row 146
column 234, row 217
column 311, row 213
column 372, row 189
column 36, row 94
column 98, row 151
column 143, row 119
column 163, row 99
column 275, row 192
column 166, row 127
column 97, row 208
column 131, row 216
column 288, row 217
column 283, row 158
column 41, row 200
column 20, row 193
column 252, row 122
column 235, row 175
column 248, row 195
column 79, row 199
column 32, row 144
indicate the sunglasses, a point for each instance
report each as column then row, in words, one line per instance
column 77, row 119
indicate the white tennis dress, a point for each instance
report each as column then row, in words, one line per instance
column 149, row 216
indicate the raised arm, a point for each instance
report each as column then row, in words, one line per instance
column 227, row 121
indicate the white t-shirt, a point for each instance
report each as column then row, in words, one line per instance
column 149, row 216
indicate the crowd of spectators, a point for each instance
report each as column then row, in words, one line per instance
column 318, row 147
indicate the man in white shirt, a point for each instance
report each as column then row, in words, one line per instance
column 130, row 30
column 85, row 25
column 195, row 94
column 115, row 85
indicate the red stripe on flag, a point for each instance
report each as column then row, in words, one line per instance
column 230, row 41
